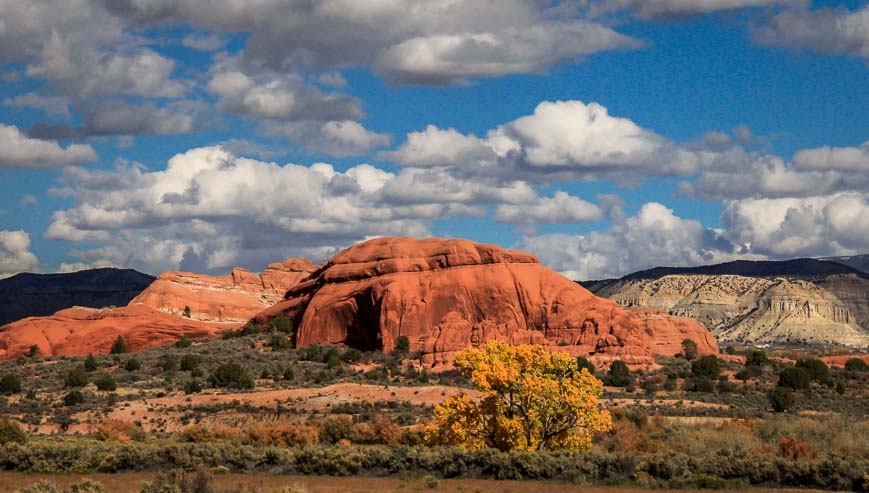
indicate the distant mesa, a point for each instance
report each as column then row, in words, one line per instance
column 792, row 302
column 33, row 295
column 448, row 294
column 156, row 316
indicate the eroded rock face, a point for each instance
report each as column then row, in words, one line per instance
column 446, row 295
column 234, row 297
column 831, row 309
column 77, row 331
column 156, row 316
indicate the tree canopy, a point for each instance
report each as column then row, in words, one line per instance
column 531, row 400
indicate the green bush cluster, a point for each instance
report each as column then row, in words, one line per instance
column 719, row 467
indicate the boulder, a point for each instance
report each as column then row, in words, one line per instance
column 448, row 294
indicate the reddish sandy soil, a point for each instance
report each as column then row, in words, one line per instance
column 131, row 482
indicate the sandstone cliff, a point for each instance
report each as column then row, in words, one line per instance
column 445, row 295
column 832, row 309
column 156, row 315
column 231, row 298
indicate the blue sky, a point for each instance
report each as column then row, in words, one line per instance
column 604, row 136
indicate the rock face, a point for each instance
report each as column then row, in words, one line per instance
column 832, row 309
column 77, row 331
column 446, row 295
column 156, row 316
column 231, row 298
column 32, row 295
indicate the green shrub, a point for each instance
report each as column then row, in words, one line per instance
column 311, row 352
column 86, row 486
column 619, row 375
column 332, row 358
column 186, row 311
column 133, row 365
column 402, row 345
column 351, row 356
column 184, row 342
column 757, row 357
column 41, row 486
column 77, row 377
column 73, row 398
column 170, row 364
column 707, row 366
column 189, row 362
column 90, row 363
column 119, row 347
column 193, row 386
column 180, row 481
column 11, row 432
column 231, row 375
column 33, row 351
column 282, row 324
column 781, row 399
column 9, row 384
column 856, row 364
column 583, row 362
column 794, row 378
column 334, row 429
column 817, row 369
column 105, row 383
column 279, row 342
column 689, row 349
column 749, row 372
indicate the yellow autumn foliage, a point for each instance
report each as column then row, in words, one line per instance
column 531, row 400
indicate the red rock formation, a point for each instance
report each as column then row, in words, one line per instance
column 446, row 295
column 155, row 316
column 77, row 331
column 231, row 298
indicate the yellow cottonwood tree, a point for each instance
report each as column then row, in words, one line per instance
column 531, row 400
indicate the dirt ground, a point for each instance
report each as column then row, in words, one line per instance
column 131, row 482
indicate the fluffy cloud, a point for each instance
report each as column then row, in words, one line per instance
column 20, row 151
column 407, row 41
column 680, row 8
column 819, row 171
column 824, row 30
column 50, row 105
column 203, row 42
column 86, row 71
column 836, row 224
column 280, row 98
column 15, row 255
column 335, row 138
column 120, row 118
column 653, row 237
column 560, row 208
column 562, row 140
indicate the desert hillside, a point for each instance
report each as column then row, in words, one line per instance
column 756, row 307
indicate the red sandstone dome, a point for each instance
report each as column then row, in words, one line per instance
column 449, row 294
column 156, row 316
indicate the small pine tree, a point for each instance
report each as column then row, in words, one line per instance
column 34, row 351
column 707, row 366
column 757, row 357
column 794, row 378
column 119, row 347
column 187, row 311
column 90, row 363
column 856, row 364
